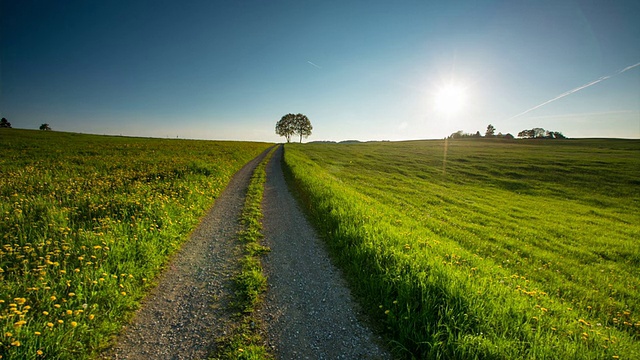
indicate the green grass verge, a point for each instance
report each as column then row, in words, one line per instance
column 87, row 222
column 244, row 340
column 524, row 249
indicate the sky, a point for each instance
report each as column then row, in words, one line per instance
column 361, row 70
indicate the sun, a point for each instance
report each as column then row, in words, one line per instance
column 451, row 99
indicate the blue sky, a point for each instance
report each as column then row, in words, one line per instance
column 366, row 70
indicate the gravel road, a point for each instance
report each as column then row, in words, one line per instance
column 185, row 313
column 308, row 310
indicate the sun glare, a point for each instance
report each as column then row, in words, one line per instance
column 450, row 99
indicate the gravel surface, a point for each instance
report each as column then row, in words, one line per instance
column 185, row 313
column 308, row 310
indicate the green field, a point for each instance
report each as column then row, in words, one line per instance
column 87, row 223
column 485, row 249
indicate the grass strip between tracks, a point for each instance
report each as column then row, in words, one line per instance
column 244, row 340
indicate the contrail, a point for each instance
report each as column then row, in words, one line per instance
column 314, row 65
column 577, row 89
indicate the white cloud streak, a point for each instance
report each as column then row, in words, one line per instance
column 314, row 65
column 603, row 78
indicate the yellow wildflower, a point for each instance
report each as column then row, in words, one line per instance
column 19, row 323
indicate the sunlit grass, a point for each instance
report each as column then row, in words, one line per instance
column 87, row 223
column 522, row 249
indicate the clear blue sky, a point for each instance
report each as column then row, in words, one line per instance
column 367, row 70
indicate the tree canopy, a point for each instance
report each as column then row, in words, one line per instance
column 291, row 124
column 45, row 127
column 489, row 133
column 491, row 130
column 4, row 123
column 540, row 133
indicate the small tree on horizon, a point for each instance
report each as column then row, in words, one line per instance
column 4, row 123
column 291, row 124
column 45, row 127
column 491, row 131
column 284, row 127
column 302, row 126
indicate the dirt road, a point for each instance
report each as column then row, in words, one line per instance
column 188, row 309
column 308, row 312
column 308, row 309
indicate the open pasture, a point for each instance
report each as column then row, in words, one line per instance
column 87, row 223
column 485, row 248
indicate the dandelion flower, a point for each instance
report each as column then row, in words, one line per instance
column 74, row 324
column 37, row 333
column 91, row 317
column 16, row 343
column 50, row 324
column 39, row 352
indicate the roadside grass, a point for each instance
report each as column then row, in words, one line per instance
column 244, row 340
column 87, row 223
column 499, row 250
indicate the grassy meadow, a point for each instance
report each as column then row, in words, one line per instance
column 87, row 223
column 485, row 249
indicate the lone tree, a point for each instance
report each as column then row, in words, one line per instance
column 4, row 123
column 491, row 131
column 45, row 127
column 291, row 124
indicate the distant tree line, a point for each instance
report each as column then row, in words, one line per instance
column 535, row 133
column 540, row 133
column 489, row 133
column 4, row 123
